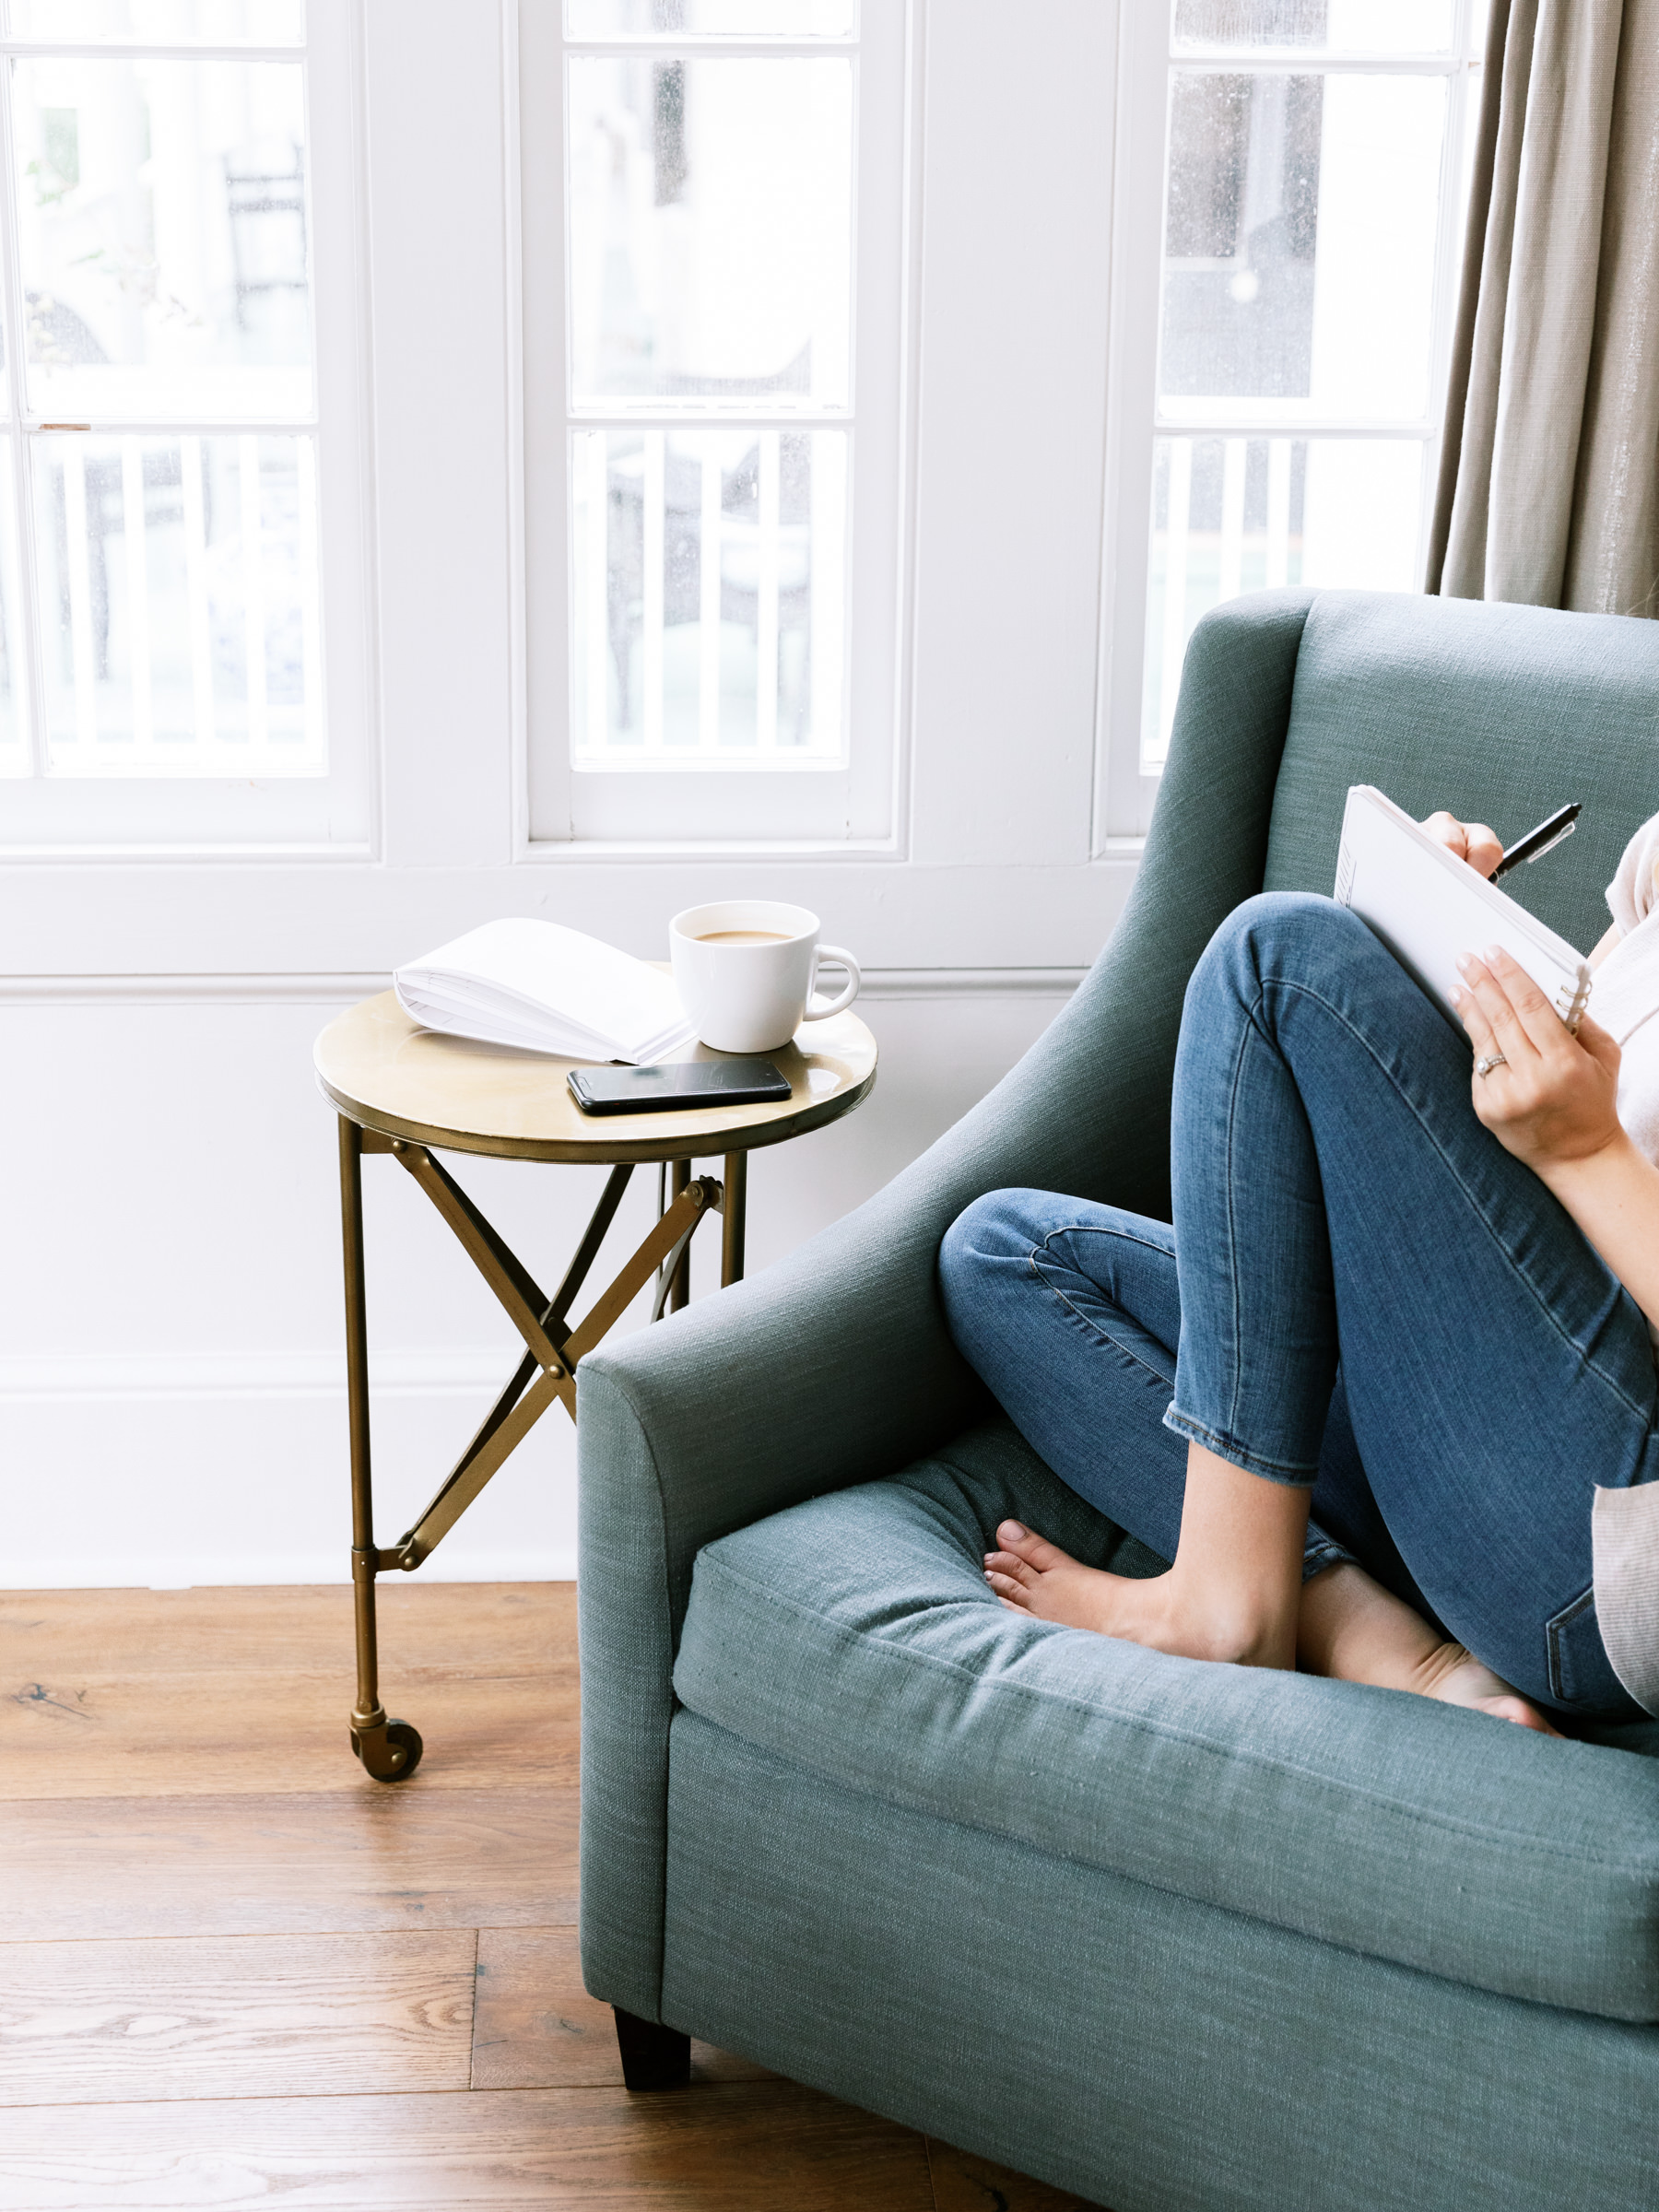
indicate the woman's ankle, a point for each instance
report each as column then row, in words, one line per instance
column 1235, row 1588
column 1353, row 1630
column 1242, row 1624
column 1427, row 1671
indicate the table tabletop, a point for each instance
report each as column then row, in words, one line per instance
column 387, row 1073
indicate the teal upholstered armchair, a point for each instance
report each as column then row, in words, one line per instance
column 1165, row 1933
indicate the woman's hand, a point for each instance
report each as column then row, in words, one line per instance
column 1552, row 1100
column 1472, row 842
column 1553, row 1106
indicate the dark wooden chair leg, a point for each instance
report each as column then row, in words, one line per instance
column 653, row 2057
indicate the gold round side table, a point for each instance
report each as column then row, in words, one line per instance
column 413, row 1093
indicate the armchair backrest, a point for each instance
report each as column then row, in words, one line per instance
column 1501, row 713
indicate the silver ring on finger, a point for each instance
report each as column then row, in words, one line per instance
column 1488, row 1062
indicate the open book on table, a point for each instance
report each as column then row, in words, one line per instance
column 1428, row 906
column 546, row 989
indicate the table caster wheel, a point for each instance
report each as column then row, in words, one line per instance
column 404, row 1738
column 389, row 1754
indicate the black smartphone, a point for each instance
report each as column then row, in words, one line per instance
column 740, row 1081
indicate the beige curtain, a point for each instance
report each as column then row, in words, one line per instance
column 1549, row 476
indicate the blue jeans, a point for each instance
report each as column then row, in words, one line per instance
column 1362, row 1292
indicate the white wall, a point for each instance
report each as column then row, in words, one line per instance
column 172, row 1395
column 171, row 1407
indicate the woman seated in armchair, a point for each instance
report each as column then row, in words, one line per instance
column 1385, row 1393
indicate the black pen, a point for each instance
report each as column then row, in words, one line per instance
column 1536, row 843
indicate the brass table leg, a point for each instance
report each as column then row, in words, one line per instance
column 733, row 1219
column 679, row 1176
column 390, row 1750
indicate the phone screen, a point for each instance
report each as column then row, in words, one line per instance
column 737, row 1081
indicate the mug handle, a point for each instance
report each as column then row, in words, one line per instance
column 836, row 956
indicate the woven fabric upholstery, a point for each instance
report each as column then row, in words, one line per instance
column 854, row 1635
column 1501, row 713
column 1149, row 2052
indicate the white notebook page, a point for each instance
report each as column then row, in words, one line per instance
column 1427, row 907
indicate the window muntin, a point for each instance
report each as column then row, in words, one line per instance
column 711, row 219
column 1312, row 213
column 162, row 609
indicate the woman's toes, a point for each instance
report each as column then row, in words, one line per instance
column 1013, row 1566
column 1035, row 1550
column 1008, row 1589
column 1516, row 1709
column 1453, row 1674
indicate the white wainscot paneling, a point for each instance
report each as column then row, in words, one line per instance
column 172, row 1378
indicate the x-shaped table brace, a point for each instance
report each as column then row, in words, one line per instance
column 390, row 1749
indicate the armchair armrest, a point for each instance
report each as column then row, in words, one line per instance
column 830, row 1368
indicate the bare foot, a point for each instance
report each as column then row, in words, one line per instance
column 1030, row 1575
column 1351, row 1630
column 1456, row 1677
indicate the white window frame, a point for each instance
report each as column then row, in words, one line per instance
column 331, row 814
column 989, row 870
column 848, row 804
column 1125, row 787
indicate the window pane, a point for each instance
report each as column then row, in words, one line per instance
column 164, row 236
column 1243, row 514
column 161, row 22
column 707, row 616
column 711, row 18
column 178, row 608
column 1298, row 241
column 711, row 232
column 1338, row 26
column 14, row 718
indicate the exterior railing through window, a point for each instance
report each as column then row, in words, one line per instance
column 709, row 566
column 179, row 601
column 159, row 561
column 1316, row 158
column 711, row 160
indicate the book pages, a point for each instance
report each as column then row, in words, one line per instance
column 544, row 988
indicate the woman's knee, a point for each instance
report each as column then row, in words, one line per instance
column 1023, row 1236
column 1280, row 937
column 1002, row 1226
column 984, row 1258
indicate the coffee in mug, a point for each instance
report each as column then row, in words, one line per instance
column 745, row 969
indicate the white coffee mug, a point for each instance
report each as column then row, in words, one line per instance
column 744, row 969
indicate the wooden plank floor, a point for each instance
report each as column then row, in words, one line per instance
column 232, row 1967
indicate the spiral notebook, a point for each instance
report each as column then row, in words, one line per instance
column 1428, row 906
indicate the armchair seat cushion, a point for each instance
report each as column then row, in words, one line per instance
column 854, row 1635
